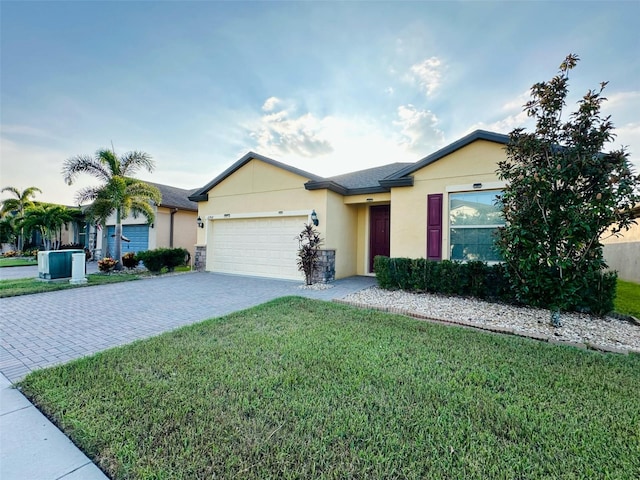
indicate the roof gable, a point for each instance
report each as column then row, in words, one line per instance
column 397, row 178
column 202, row 194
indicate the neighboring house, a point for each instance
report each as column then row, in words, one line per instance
column 174, row 226
column 623, row 253
column 441, row 207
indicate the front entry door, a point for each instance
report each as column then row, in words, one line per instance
column 379, row 232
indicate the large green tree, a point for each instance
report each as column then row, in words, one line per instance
column 564, row 192
column 119, row 193
column 48, row 219
column 15, row 208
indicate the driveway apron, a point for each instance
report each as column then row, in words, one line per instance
column 51, row 328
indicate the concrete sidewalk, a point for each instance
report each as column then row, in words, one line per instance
column 32, row 448
column 52, row 328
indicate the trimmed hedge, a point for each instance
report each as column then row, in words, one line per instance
column 480, row 280
column 156, row 260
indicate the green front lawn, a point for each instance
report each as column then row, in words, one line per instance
column 628, row 298
column 299, row 388
column 17, row 261
column 27, row 286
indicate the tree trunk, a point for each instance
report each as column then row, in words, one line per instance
column 117, row 244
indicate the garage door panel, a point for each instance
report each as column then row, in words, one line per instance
column 256, row 246
column 138, row 236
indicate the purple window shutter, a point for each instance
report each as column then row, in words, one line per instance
column 434, row 226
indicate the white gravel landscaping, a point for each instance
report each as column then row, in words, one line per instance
column 606, row 333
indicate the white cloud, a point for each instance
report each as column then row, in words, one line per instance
column 282, row 133
column 628, row 135
column 517, row 104
column 418, row 129
column 622, row 98
column 270, row 103
column 428, row 74
column 505, row 125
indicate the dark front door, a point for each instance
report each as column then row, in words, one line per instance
column 379, row 232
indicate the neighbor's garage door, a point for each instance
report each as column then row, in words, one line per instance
column 137, row 234
column 265, row 247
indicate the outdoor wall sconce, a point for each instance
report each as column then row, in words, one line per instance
column 477, row 185
column 314, row 218
column 200, row 222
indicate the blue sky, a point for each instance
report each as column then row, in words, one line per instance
column 329, row 87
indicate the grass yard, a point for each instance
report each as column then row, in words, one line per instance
column 299, row 388
column 17, row 261
column 628, row 298
column 27, row 286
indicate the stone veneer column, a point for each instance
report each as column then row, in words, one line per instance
column 200, row 259
column 326, row 271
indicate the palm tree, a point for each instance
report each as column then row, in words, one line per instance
column 48, row 219
column 16, row 206
column 119, row 192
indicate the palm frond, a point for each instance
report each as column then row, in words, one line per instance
column 87, row 194
column 142, row 207
column 108, row 157
column 74, row 166
column 131, row 162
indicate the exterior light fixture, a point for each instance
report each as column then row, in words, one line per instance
column 477, row 185
column 314, row 218
column 200, row 222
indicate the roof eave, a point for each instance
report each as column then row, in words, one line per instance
column 199, row 197
column 325, row 184
column 397, row 182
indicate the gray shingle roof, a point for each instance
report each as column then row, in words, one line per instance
column 370, row 180
column 367, row 178
column 174, row 197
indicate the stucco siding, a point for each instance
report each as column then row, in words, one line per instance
column 256, row 177
column 475, row 163
column 341, row 234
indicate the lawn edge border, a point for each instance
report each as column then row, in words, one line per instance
column 501, row 330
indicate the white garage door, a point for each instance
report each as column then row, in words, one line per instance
column 265, row 247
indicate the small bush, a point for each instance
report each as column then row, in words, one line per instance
column 10, row 254
column 107, row 264
column 156, row 260
column 129, row 260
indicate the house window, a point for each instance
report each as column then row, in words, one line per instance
column 473, row 221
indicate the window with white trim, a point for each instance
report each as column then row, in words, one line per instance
column 474, row 219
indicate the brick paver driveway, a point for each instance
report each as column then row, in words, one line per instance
column 51, row 328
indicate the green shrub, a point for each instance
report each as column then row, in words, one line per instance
column 129, row 260
column 595, row 294
column 381, row 267
column 452, row 281
column 156, row 260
